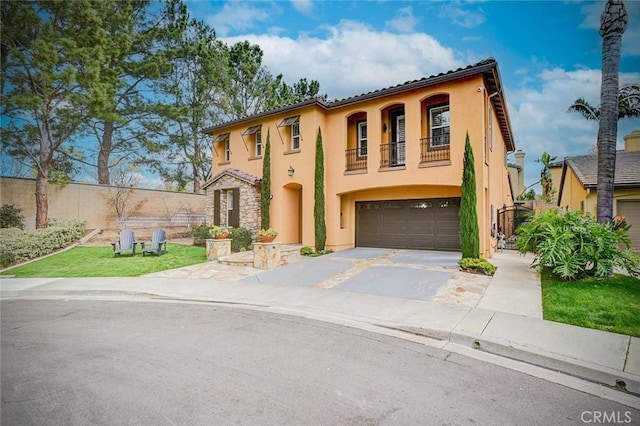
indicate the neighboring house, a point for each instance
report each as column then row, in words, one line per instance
column 579, row 180
column 393, row 163
column 516, row 174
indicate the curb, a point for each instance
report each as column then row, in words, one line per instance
column 624, row 382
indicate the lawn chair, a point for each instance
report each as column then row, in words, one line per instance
column 126, row 243
column 158, row 243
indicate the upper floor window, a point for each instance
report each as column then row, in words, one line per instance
column 490, row 127
column 227, row 151
column 439, row 126
column 255, row 133
column 362, row 139
column 226, row 147
column 294, row 125
column 295, row 136
column 258, row 144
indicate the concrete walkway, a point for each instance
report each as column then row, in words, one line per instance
column 506, row 319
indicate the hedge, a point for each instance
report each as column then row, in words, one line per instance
column 18, row 245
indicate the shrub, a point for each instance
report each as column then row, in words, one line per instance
column 477, row 266
column 11, row 216
column 240, row 239
column 469, row 229
column 306, row 251
column 200, row 233
column 17, row 245
column 573, row 245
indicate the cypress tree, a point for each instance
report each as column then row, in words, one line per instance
column 318, row 207
column 265, row 186
column 469, row 230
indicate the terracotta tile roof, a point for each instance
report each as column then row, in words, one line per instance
column 239, row 174
column 488, row 68
column 627, row 173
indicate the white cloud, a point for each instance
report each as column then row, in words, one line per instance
column 236, row 16
column 541, row 122
column 344, row 68
column 404, row 21
column 303, row 6
column 462, row 15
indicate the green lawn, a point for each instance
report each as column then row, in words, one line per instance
column 100, row 262
column 609, row 304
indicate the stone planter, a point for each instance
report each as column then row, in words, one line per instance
column 216, row 248
column 266, row 255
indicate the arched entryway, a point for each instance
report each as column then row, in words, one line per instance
column 292, row 230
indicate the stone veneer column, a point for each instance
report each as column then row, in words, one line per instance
column 218, row 248
column 266, row 255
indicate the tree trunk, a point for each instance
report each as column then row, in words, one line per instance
column 104, row 154
column 613, row 22
column 42, row 201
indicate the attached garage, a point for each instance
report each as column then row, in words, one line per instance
column 631, row 210
column 430, row 224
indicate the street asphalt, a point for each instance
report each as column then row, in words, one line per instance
column 418, row 292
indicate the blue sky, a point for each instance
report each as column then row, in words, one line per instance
column 549, row 53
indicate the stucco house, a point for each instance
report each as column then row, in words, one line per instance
column 393, row 163
column 578, row 181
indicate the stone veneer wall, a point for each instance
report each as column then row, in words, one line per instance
column 249, row 201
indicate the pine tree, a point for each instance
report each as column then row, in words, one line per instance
column 469, row 230
column 265, row 186
column 318, row 207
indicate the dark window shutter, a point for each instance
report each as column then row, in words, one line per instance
column 216, row 207
column 236, row 207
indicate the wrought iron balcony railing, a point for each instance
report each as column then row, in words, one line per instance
column 356, row 159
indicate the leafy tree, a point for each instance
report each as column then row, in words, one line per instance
column 132, row 60
column 318, row 205
column 50, row 81
column 265, row 185
column 251, row 88
column 469, row 228
column 529, row 195
column 192, row 92
column 613, row 23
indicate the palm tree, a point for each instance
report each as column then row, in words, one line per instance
column 628, row 104
column 613, row 23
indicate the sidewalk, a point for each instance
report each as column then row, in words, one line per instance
column 507, row 320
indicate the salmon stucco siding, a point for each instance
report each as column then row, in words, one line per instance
column 393, row 161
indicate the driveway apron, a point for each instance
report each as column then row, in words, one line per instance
column 412, row 274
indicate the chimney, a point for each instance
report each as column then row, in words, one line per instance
column 520, row 162
column 632, row 141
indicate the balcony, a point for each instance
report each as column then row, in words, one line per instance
column 435, row 149
column 392, row 154
column 356, row 159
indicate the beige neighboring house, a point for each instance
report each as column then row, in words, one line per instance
column 577, row 189
column 516, row 174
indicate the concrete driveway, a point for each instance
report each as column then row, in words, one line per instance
column 411, row 274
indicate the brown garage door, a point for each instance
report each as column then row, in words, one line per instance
column 431, row 224
column 631, row 210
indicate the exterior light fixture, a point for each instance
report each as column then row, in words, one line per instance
column 291, row 171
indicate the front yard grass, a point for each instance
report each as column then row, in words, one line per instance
column 100, row 262
column 609, row 304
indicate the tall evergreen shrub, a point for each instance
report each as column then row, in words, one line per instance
column 318, row 207
column 265, row 186
column 469, row 230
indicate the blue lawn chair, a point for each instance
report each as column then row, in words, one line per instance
column 126, row 243
column 158, row 243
